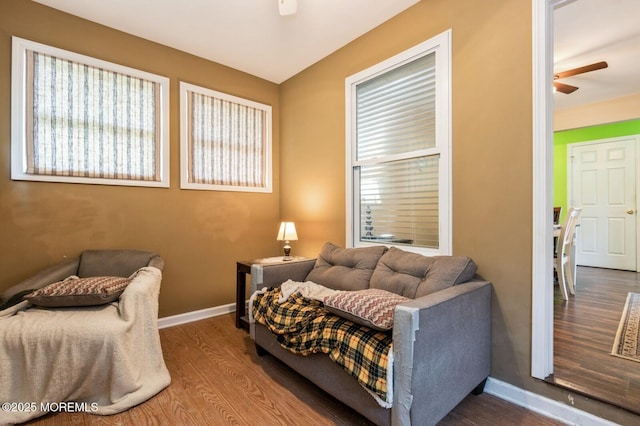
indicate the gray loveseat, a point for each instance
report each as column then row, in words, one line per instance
column 441, row 339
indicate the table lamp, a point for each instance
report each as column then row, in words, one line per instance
column 287, row 233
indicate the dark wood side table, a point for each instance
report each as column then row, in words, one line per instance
column 243, row 268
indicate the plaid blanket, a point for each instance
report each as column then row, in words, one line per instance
column 304, row 327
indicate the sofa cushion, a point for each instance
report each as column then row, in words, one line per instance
column 345, row 268
column 372, row 307
column 74, row 291
column 413, row 275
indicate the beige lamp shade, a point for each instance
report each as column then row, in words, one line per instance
column 287, row 232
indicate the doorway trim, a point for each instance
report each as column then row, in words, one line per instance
column 542, row 223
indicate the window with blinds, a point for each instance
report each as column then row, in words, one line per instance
column 79, row 119
column 225, row 141
column 398, row 115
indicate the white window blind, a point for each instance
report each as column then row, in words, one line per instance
column 396, row 110
column 399, row 145
column 226, row 141
column 85, row 120
column 399, row 202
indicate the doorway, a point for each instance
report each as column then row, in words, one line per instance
column 542, row 362
column 602, row 180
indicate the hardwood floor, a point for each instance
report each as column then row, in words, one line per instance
column 217, row 379
column 584, row 330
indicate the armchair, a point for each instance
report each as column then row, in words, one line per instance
column 107, row 356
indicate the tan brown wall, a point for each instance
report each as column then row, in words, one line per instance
column 200, row 234
column 492, row 155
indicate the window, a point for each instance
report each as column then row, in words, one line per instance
column 82, row 120
column 398, row 150
column 225, row 141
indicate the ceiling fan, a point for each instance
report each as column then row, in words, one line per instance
column 567, row 88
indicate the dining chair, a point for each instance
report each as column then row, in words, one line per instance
column 565, row 264
column 557, row 211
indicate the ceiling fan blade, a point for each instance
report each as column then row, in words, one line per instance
column 564, row 88
column 581, row 70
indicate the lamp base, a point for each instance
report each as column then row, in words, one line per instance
column 287, row 252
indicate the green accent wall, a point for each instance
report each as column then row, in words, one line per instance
column 563, row 138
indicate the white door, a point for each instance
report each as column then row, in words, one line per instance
column 602, row 180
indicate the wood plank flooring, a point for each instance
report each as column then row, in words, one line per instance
column 584, row 330
column 217, row 379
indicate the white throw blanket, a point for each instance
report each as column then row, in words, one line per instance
column 109, row 355
column 307, row 289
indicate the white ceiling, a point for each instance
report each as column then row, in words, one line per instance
column 589, row 31
column 251, row 36
column 248, row 35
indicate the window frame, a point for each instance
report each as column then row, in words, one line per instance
column 19, row 116
column 185, row 149
column 440, row 45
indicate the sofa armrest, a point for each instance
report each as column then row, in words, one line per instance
column 442, row 351
column 57, row 272
column 156, row 262
column 138, row 303
column 272, row 275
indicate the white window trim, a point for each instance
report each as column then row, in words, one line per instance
column 184, row 138
column 19, row 118
column 441, row 44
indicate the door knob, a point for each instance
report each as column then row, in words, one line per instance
column 630, row 211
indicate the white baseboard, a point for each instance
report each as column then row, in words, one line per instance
column 196, row 315
column 543, row 405
column 503, row 390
